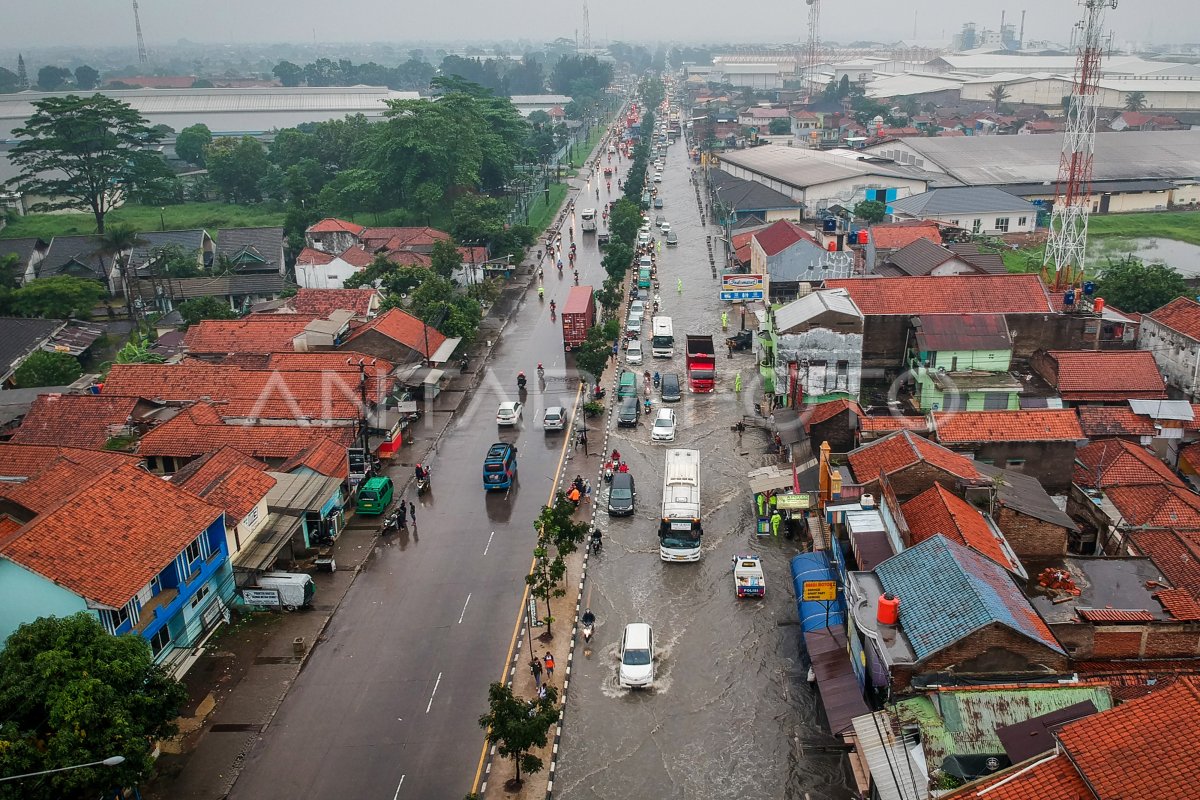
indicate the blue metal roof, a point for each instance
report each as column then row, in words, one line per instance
column 947, row 592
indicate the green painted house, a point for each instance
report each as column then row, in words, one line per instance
column 960, row 362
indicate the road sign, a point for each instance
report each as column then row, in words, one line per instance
column 795, row 502
column 738, row 286
column 825, row 591
column 261, row 597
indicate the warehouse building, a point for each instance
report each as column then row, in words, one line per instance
column 226, row 111
column 1161, row 92
column 1133, row 170
column 817, row 180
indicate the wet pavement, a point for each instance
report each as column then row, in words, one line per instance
column 731, row 714
column 388, row 703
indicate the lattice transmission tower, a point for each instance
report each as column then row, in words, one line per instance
column 137, row 22
column 1066, row 243
column 812, row 51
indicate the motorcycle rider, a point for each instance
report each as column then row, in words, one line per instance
column 589, row 620
column 540, row 370
column 421, row 473
column 541, row 293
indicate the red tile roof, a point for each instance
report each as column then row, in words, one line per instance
column 893, row 423
column 257, row 333
column 1107, row 375
column 1037, row 779
column 198, row 430
column 227, row 478
column 1115, row 615
column 1025, row 425
column 1181, row 315
column 1180, row 603
column 1157, row 506
column 136, row 524
column 356, row 256
column 402, row 238
column 1100, row 421
column 902, row 450
column 938, row 510
column 1116, row 462
column 325, row 457
column 403, row 327
column 38, row 477
column 311, row 256
column 1176, row 553
column 74, row 420
column 334, row 225
column 315, row 392
column 825, row 411
column 1143, row 749
column 894, row 235
column 321, row 302
column 781, row 235
column 947, row 294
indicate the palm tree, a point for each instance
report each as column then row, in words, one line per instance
column 1135, row 101
column 998, row 95
column 117, row 243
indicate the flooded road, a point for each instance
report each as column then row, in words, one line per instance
column 731, row 713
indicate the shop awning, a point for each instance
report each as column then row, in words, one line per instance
column 447, row 348
column 417, row 374
column 841, row 694
column 262, row 552
column 770, row 479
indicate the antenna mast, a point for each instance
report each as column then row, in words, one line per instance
column 137, row 21
column 812, row 55
column 1062, row 265
column 587, row 30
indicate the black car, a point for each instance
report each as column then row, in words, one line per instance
column 621, row 495
column 670, row 388
column 628, row 412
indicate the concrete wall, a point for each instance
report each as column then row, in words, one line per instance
column 1163, row 639
column 820, row 344
column 1177, row 356
column 1050, row 462
column 25, row 596
column 979, row 222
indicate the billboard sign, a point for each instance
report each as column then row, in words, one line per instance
column 737, row 286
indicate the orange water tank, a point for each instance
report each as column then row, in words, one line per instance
column 1098, row 305
column 889, row 609
column 862, row 236
column 831, row 246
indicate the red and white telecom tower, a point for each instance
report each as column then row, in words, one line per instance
column 811, row 57
column 1062, row 266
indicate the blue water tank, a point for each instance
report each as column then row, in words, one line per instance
column 829, row 225
column 1069, row 298
column 1089, row 288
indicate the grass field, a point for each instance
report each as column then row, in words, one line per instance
column 1181, row 225
column 541, row 213
column 583, row 151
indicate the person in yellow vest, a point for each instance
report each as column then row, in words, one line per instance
column 761, row 502
column 724, row 320
column 776, row 520
column 737, row 382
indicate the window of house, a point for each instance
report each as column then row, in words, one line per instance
column 192, row 552
column 160, row 640
column 1002, row 224
column 1015, row 463
column 152, row 463
column 995, row 401
column 118, row 617
column 1022, row 221
column 251, row 517
column 976, row 225
column 199, row 596
column 954, row 222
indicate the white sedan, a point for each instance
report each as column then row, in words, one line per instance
column 509, row 413
column 664, row 426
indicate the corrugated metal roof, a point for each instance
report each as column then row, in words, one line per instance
column 1164, row 409
column 962, row 200
column 988, row 160
column 897, row 767
column 938, row 332
column 800, row 167
column 812, row 305
column 840, row 693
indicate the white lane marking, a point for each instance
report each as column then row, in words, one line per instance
column 433, row 693
column 401, row 783
column 464, row 611
column 489, row 544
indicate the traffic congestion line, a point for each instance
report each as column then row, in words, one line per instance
column 479, row 784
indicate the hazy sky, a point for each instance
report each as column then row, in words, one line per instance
column 108, row 22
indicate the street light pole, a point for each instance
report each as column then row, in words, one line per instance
column 111, row 761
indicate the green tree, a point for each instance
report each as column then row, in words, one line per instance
column 780, row 126
column 998, row 94
column 71, row 693
column 203, row 308
column 870, row 210
column 843, row 89
column 202, row 83
column 117, row 243
column 60, row 297
column 191, row 143
column 80, row 151
column 1135, row 101
column 135, row 351
column 47, row 369
column 173, row 261
column 1131, row 285
column 236, row 166
column 546, row 581
column 516, row 726
column 9, row 267
column 556, row 525
column 9, row 81
column 445, row 259
column 592, row 356
column 51, row 78
column 289, row 74
column 86, row 77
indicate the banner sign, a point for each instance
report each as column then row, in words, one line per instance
column 737, row 286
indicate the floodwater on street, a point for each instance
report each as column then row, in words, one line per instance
column 731, row 713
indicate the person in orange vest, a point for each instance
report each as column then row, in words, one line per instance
column 549, row 661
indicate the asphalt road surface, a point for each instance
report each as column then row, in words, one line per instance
column 388, row 704
column 731, row 714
